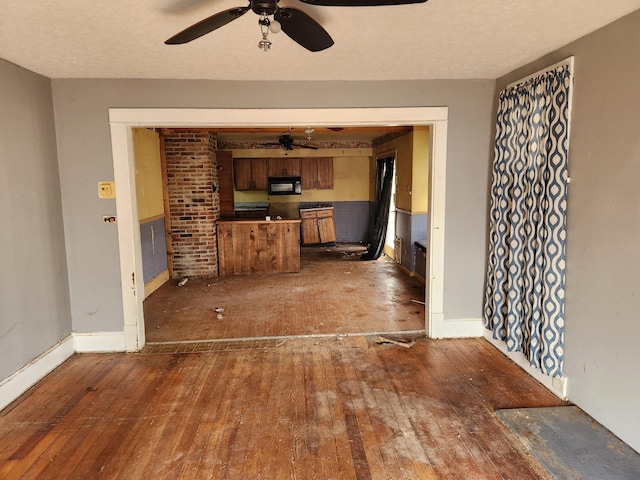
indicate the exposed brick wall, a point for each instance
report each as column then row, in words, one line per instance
column 194, row 207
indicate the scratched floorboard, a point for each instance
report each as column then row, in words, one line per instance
column 306, row 408
column 335, row 292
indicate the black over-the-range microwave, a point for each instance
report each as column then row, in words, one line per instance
column 284, row 185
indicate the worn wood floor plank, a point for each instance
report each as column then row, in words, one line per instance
column 334, row 292
column 200, row 454
column 326, row 408
column 74, row 405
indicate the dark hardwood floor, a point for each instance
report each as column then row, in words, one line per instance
column 266, row 405
column 305, row 408
column 334, row 292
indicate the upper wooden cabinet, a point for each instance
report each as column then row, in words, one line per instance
column 317, row 173
column 284, row 167
column 224, row 159
column 250, row 173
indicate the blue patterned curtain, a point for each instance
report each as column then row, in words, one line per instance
column 524, row 301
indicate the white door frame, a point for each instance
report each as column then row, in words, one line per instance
column 122, row 120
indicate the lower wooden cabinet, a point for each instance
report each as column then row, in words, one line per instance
column 258, row 246
column 317, row 225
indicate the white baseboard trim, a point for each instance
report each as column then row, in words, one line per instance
column 557, row 385
column 462, row 328
column 24, row 378
column 99, row 342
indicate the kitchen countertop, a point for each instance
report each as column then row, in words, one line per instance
column 259, row 220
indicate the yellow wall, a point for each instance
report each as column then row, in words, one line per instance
column 420, row 174
column 148, row 173
column 403, row 149
column 412, row 169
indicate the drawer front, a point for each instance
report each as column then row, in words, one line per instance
column 328, row 212
column 308, row 214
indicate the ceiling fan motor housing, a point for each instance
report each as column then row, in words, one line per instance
column 268, row 7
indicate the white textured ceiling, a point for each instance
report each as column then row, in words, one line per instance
column 439, row 39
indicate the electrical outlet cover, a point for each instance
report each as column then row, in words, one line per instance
column 106, row 190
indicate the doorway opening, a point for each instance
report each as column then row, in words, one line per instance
column 390, row 239
column 123, row 120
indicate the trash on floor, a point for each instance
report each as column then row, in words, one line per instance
column 418, row 301
column 402, row 343
column 183, row 282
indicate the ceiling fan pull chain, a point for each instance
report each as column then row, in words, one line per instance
column 264, row 22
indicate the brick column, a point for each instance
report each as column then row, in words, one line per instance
column 194, row 207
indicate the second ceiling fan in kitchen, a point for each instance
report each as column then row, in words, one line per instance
column 299, row 26
column 286, row 142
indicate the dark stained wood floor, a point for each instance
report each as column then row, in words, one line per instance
column 305, row 408
column 335, row 292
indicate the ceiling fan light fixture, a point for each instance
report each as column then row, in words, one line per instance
column 296, row 24
column 265, row 24
column 308, row 131
column 275, row 26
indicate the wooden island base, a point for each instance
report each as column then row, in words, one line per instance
column 258, row 246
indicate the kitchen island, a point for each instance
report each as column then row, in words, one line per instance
column 258, row 246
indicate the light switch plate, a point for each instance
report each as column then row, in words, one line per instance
column 106, row 190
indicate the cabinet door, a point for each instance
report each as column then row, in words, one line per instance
column 242, row 174
column 250, row 173
column 309, row 169
column 225, row 183
column 284, row 167
column 317, row 173
column 310, row 233
column 259, row 173
column 324, row 175
column 326, row 226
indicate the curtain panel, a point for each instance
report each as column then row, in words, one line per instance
column 384, row 187
column 525, row 288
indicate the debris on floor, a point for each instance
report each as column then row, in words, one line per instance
column 219, row 310
column 183, row 282
column 418, row 301
column 402, row 343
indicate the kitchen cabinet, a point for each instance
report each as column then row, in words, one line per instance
column 250, row 173
column 317, row 173
column 248, row 247
column 284, row 167
column 224, row 159
column 317, row 225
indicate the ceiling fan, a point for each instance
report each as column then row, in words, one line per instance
column 299, row 26
column 286, row 142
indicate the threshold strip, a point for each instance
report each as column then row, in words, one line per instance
column 254, row 343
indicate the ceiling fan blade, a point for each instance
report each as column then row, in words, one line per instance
column 300, row 145
column 359, row 3
column 303, row 29
column 207, row 25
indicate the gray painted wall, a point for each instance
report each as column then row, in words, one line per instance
column 81, row 109
column 34, row 296
column 603, row 259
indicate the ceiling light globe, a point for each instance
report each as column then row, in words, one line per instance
column 275, row 26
